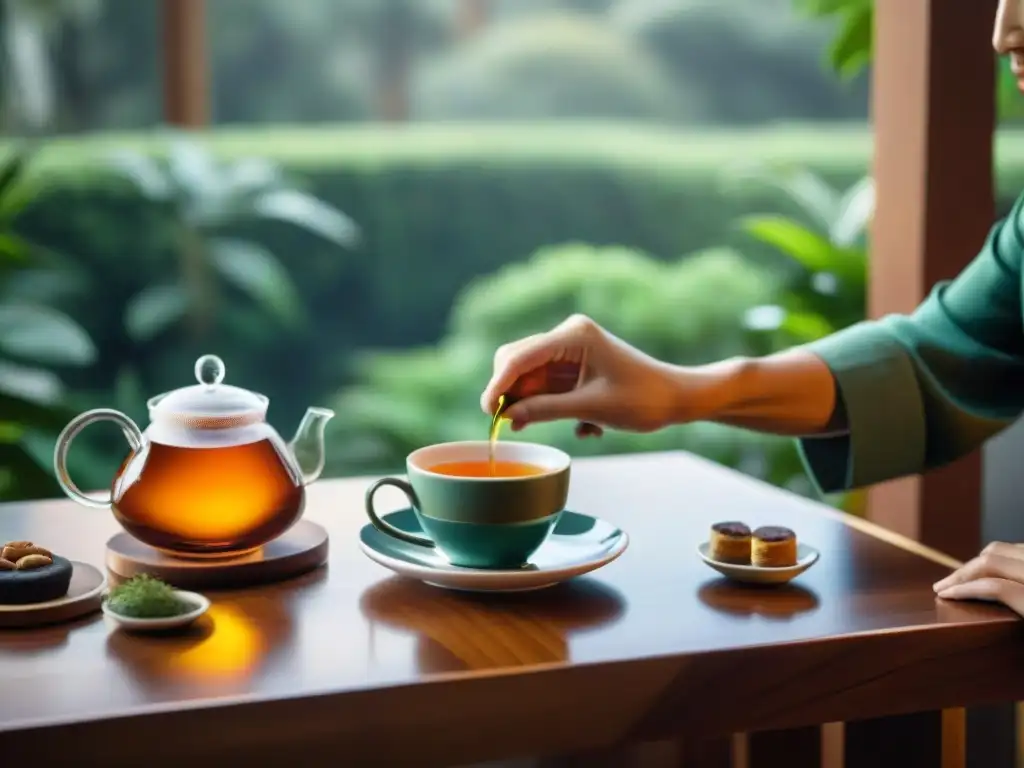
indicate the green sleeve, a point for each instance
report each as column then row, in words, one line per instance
column 922, row 390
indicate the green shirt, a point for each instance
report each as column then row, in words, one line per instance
column 922, row 390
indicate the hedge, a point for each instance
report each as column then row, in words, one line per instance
column 440, row 205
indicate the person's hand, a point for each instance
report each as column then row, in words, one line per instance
column 996, row 575
column 620, row 386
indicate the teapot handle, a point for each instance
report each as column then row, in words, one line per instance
column 70, row 432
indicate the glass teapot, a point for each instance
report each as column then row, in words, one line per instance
column 209, row 477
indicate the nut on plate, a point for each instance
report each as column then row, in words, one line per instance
column 28, row 562
column 16, row 550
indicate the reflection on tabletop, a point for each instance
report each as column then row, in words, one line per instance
column 463, row 631
column 223, row 652
column 775, row 602
column 41, row 640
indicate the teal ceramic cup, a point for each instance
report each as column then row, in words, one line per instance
column 480, row 522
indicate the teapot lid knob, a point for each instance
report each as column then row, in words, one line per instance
column 210, row 370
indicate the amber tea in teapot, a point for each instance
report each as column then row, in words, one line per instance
column 240, row 500
column 209, row 477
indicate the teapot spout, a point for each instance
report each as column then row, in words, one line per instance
column 307, row 447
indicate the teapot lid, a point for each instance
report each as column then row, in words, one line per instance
column 210, row 404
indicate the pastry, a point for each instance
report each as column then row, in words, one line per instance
column 31, row 574
column 773, row 546
column 730, row 542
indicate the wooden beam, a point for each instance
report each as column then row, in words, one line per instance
column 933, row 108
column 186, row 74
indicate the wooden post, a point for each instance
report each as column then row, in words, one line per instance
column 186, row 73
column 934, row 117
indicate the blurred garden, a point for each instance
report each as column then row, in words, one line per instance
column 391, row 189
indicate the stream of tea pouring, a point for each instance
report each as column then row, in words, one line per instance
column 553, row 378
column 492, row 435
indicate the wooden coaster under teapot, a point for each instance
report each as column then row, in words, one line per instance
column 301, row 549
column 209, row 487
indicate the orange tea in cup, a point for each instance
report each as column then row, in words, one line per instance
column 473, row 518
column 488, row 468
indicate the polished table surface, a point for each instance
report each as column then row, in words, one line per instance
column 355, row 659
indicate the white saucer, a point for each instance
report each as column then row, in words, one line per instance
column 806, row 556
column 135, row 624
column 579, row 544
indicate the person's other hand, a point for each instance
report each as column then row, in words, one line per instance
column 620, row 386
column 996, row 575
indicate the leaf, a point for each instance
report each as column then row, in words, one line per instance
column 144, row 172
column 853, row 46
column 26, row 392
column 805, row 189
column 309, row 213
column 810, row 193
column 10, row 432
column 192, row 167
column 255, row 271
column 42, row 285
column 855, row 212
column 13, row 194
column 251, row 175
column 806, row 326
column 198, row 184
column 808, row 248
column 154, row 309
column 13, row 248
column 819, row 8
column 12, row 170
column 42, row 334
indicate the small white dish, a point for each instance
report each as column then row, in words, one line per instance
column 806, row 556
column 136, row 624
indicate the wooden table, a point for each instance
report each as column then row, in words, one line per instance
column 351, row 666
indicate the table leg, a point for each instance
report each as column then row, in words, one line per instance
column 900, row 741
column 785, row 749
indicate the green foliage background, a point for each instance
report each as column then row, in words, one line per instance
column 468, row 236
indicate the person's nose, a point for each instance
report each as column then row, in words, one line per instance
column 1008, row 34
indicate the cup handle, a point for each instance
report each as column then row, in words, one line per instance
column 60, row 454
column 387, row 528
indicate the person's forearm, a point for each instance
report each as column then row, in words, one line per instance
column 789, row 393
